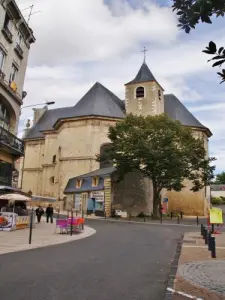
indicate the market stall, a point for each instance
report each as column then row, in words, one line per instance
column 14, row 214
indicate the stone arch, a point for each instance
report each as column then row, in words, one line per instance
column 103, row 152
column 11, row 112
column 140, row 92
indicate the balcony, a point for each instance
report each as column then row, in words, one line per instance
column 7, row 34
column 10, row 143
column 19, row 51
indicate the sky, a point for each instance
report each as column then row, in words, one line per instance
column 81, row 42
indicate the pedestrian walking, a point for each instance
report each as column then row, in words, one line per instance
column 49, row 213
column 39, row 212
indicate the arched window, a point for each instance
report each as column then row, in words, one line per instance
column 140, row 92
column 104, row 156
column 4, row 117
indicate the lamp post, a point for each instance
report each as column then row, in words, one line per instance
column 45, row 103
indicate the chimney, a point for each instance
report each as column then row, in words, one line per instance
column 38, row 113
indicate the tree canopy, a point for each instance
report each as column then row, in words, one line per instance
column 162, row 150
column 220, row 178
column 191, row 12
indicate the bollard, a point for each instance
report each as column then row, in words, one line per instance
column 204, row 233
column 178, row 220
column 209, row 241
column 213, row 247
column 197, row 220
column 160, row 217
column 171, row 215
column 31, row 226
column 206, row 238
column 201, row 229
column 181, row 215
column 71, row 224
column 83, row 222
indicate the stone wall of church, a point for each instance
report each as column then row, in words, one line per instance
column 191, row 203
column 69, row 152
column 152, row 103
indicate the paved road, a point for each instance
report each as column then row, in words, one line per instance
column 121, row 261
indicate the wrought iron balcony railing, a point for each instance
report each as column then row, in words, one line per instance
column 12, row 142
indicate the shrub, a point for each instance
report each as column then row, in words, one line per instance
column 217, row 201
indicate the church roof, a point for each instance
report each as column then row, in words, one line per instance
column 177, row 111
column 99, row 101
column 47, row 121
column 143, row 75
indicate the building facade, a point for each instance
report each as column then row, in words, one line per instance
column 62, row 145
column 15, row 40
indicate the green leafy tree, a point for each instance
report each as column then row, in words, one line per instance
column 191, row 12
column 220, row 178
column 162, row 150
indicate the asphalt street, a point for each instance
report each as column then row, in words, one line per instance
column 121, row 261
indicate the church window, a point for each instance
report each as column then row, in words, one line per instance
column 52, row 179
column 140, row 92
column 159, row 94
column 54, row 159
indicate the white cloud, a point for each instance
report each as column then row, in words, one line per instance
column 81, row 42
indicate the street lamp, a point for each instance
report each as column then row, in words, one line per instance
column 45, row 103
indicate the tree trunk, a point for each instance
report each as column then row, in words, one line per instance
column 156, row 204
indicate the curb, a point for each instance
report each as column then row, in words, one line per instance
column 173, row 270
column 143, row 223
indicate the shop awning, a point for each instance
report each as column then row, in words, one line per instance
column 41, row 198
column 15, row 197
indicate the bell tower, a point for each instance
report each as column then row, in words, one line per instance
column 144, row 95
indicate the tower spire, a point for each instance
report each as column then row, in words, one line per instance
column 144, row 51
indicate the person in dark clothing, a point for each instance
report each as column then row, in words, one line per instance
column 39, row 212
column 49, row 213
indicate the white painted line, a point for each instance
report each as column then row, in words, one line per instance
column 183, row 294
column 204, row 247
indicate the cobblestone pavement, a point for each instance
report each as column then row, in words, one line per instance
column 43, row 235
column 198, row 274
column 205, row 274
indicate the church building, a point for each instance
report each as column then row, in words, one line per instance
column 61, row 147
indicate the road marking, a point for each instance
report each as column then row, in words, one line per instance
column 204, row 247
column 183, row 294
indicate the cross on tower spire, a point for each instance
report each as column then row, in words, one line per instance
column 144, row 51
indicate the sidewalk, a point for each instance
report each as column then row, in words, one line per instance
column 199, row 275
column 43, row 235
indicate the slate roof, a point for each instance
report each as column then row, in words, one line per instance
column 47, row 121
column 87, row 181
column 143, row 75
column 177, row 111
column 99, row 101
